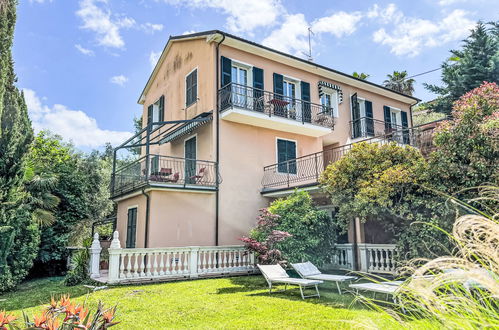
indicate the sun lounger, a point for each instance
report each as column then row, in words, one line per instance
column 276, row 274
column 307, row 270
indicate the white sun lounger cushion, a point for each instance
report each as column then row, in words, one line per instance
column 306, row 269
column 333, row 278
column 376, row 287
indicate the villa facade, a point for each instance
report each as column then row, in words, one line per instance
column 230, row 125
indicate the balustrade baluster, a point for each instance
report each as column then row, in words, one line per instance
column 122, row 265
column 149, row 264
column 129, row 265
column 142, row 264
column 168, row 271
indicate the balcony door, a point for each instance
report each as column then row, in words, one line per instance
column 190, row 146
column 239, row 79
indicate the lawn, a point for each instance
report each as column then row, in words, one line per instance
column 237, row 302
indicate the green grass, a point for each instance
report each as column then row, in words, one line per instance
column 238, row 302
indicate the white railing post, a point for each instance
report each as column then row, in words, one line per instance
column 114, row 258
column 95, row 250
column 364, row 267
column 193, row 262
column 350, row 257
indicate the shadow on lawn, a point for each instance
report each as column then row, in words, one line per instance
column 257, row 286
column 38, row 292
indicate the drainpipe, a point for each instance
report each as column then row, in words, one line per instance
column 217, row 121
column 146, row 237
column 355, row 247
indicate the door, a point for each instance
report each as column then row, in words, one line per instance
column 239, row 81
column 190, row 160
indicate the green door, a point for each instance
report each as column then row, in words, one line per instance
column 190, row 160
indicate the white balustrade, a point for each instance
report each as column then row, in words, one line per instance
column 95, row 251
column 176, row 262
column 377, row 258
column 343, row 257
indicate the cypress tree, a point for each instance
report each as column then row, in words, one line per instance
column 19, row 236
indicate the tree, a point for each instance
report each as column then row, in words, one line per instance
column 477, row 61
column 399, row 82
column 82, row 187
column 362, row 75
column 19, row 239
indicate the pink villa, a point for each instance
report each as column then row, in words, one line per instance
column 230, row 125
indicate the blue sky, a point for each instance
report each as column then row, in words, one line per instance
column 83, row 64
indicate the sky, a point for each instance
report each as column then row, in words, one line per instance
column 83, row 63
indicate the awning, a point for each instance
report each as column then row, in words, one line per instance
column 187, row 128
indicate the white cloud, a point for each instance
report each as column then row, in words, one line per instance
column 153, row 58
column 100, row 21
column 72, row 125
column 449, row 2
column 243, row 15
column 411, row 34
column 40, row 1
column 84, row 51
column 339, row 24
column 188, row 32
column 151, row 28
column 291, row 37
column 389, row 14
column 119, row 80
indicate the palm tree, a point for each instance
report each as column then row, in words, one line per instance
column 398, row 82
column 362, row 75
column 40, row 200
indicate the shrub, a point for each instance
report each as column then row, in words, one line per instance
column 80, row 262
column 264, row 238
column 313, row 234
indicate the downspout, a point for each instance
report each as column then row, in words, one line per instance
column 217, row 143
column 146, row 236
column 355, row 247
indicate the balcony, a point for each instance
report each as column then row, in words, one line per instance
column 256, row 107
column 366, row 127
column 305, row 171
column 166, row 172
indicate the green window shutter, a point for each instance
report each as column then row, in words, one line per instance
column 258, row 101
column 162, row 108
column 405, row 125
column 356, row 128
column 388, row 119
column 369, row 122
column 305, row 96
column 226, row 74
column 278, row 84
column 286, row 151
column 191, row 82
column 403, row 115
column 258, row 78
column 149, row 114
column 155, row 164
column 131, row 228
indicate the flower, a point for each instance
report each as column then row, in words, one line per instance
column 5, row 319
column 39, row 321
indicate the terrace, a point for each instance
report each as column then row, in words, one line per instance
column 244, row 104
column 151, row 169
column 305, row 171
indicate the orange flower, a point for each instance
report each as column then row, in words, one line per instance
column 53, row 303
column 53, row 324
column 6, row 318
column 83, row 314
column 64, row 301
column 39, row 320
column 108, row 315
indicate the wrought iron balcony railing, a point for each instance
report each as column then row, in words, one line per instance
column 275, row 105
column 306, row 170
column 365, row 127
column 164, row 170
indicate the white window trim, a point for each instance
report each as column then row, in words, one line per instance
column 277, row 153
column 133, row 207
column 336, row 110
column 197, row 88
column 192, row 137
column 296, row 82
column 248, row 68
column 398, row 114
column 363, row 99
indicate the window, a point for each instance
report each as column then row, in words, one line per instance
column 131, row 229
column 329, row 103
column 156, row 112
column 286, row 156
column 191, row 88
column 239, row 79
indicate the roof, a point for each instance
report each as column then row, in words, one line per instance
column 225, row 35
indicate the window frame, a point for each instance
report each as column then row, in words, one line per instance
column 335, row 106
column 127, row 245
column 277, row 154
column 186, row 87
